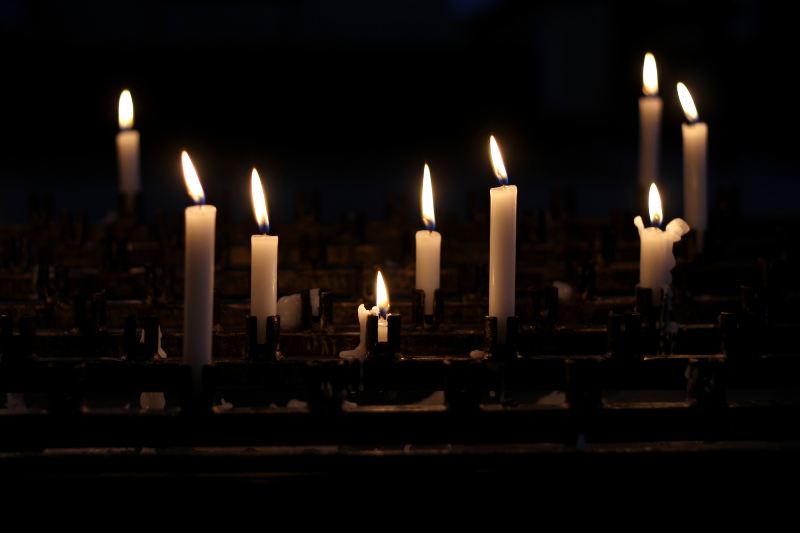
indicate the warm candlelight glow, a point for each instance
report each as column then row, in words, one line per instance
column 687, row 103
column 656, row 213
column 428, row 216
column 649, row 75
column 191, row 179
column 259, row 202
column 125, row 110
column 497, row 161
column 381, row 295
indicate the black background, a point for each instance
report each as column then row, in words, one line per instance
column 350, row 98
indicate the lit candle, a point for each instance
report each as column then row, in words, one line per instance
column 502, row 244
column 429, row 245
column 382, row 301
column 695, row 142
column 128, row 153
column 263, row 263
column 198, row 292
column 650, row 106
column 656, row 260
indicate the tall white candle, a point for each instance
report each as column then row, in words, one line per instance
column 656, row 259
column 650, row 106
column 502, row 244
column 128, row 152
column 429, row 246
column 263, row 263
column 382, row 303
column 695, row 146
column 198, row 292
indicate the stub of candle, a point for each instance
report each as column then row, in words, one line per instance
column 360, row 351
column 263, row 280
column 656, row 259
column 429, row 247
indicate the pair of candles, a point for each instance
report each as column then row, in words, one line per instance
column 199, row 269
column 695, row 142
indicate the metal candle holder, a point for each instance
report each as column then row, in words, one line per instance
column 418, row 317
column 270, row 349
column 388, row 349
column 492, row 347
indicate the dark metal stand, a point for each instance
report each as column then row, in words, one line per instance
column 270, row 350
column 418, row 317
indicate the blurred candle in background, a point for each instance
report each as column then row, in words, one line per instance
column 128, row 154
column 502, row 244
column 429, row 245
column 263, row 262
column 198, row 292
column 650, row 107
column 695, row 145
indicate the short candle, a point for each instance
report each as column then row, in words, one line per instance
column 429, row 245
column 263, row 262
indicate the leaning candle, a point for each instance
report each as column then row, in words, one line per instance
column 263, row 262
column 502, row 244
column 128, row 153
column 382, row 302
column 650, row 106
column 695, row 142
column 429, row 245
column 656, row 260
column 360, row 351
column 198, row 292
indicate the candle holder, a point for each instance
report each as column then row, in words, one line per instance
column 270, row 349
column 389, row 349
column 326, row 311
column 492, row 348
column 418, row 317
column 543, row 307
column 134, row 349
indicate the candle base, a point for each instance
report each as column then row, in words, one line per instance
column 419, row 319
column 270, row 349
column 130, row 206
column 492, row 348
column 389, row 349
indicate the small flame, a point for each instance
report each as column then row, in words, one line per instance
column 497, row 161
column 650, row 75
column 654, row 201
column 259, row 202
column 428, row 216
column 192, row 180
column 381, row 295
column 687, row 103
column 125, row 110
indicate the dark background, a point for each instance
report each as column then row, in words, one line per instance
column 350, row 98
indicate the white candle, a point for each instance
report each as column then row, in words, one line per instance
column 695, row 145
column 198, row 292
column 650, row 106
column 656, row 259
column 128, row 152
column 502, row 244
column 263, row 263
column 360, row 351
column 429, row 246
column 382, row 301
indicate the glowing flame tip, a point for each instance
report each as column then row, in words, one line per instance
column 259, row 202
column 687, row 103
column 191, row 179
column 428, row 216
column 497, row 161
column 381, row 295
column 125, row 110
column 649, row 75
column 654, row 202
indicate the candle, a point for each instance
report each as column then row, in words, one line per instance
column 695, row 142
column 502, row 244
column 429, row 245
column 360, row 351
column 128, row 153
column 198, row 292
column 382, row 301
column 656, row 259
column 650, row 106
column 263, row 263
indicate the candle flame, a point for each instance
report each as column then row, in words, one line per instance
column 654, row 200
column 191, row 179
column 687, row 103
column 381, row 295
column 259, row 202
column 497, row 161
column 125, row 110
column 650, row 75
column 428, row 216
